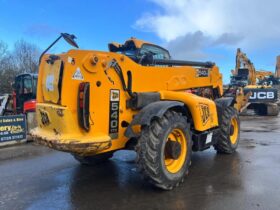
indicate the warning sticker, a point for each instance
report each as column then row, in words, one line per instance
column 70, row 59
column 49, row 82
column 78, row 75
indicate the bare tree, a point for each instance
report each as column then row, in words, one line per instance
column 7, row 68
column 23, row 59
column 3, row 53
column 3, row 49
column 26, row 56
column 7, row 76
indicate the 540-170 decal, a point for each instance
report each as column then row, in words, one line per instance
column 114, row 113
column 202, row 72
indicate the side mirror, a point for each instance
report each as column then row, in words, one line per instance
column 69, row 38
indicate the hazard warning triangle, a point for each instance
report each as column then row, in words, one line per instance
column 78, row 75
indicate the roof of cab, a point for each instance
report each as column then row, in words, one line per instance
column 138, row 43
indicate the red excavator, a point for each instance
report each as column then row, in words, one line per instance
column 23, row 98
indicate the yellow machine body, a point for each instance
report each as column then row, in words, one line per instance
column 58, row 95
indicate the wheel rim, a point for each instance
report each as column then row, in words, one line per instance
column 174, row 165
column 233, row 130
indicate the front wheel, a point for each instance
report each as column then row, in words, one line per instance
column 227, row 137
column 164, row 150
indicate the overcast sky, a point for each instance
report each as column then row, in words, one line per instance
column 191, row 29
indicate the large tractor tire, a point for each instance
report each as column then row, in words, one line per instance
column 164, row 150
column 93, row 160
column 227, row 137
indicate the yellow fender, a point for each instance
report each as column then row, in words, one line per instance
column 203, row 110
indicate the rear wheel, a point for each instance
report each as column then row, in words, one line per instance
column 272, row 109
column 266, row 109
column 93, row 160
column 227, row 137
column 164, row 150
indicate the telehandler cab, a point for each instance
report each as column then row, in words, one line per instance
column 93, row 103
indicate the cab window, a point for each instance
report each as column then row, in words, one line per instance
column 157, row 52
column 34, row 85
column 27, row 84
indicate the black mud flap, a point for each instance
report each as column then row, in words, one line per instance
column 222, row 104
column 144, row 117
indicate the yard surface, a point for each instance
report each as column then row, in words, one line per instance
column 35, row 177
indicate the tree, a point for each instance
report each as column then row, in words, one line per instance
column 23, row 59
column 7, row 68
column 3, row 49
column 26, row 56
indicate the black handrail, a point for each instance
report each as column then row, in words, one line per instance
column 182, row 63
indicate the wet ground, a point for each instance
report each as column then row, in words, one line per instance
column 34, row 177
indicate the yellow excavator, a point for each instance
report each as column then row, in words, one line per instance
column 263, row 99
column 262, row 75
column 244, row 72
column 270, row 78
column 92, row 103
column 277, row 69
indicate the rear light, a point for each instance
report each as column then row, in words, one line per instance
column 29, row 106
column 83, row 105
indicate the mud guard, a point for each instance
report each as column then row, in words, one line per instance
column 144, row 117
column 223, row 103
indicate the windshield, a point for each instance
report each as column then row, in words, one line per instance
column 35, row 79
column 27, row 85
column 128, row 52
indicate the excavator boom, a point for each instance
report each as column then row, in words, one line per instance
column 277, row 70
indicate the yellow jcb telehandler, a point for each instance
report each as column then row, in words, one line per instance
column 93, row 103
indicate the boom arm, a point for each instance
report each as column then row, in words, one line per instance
column 242, row 61
column 262, row 74
column 277, row 70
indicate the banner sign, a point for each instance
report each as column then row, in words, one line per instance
column 12, row 128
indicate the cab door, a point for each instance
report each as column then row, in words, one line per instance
column 24, row 90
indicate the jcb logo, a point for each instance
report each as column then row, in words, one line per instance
column 205, row 113
column 262, row 95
